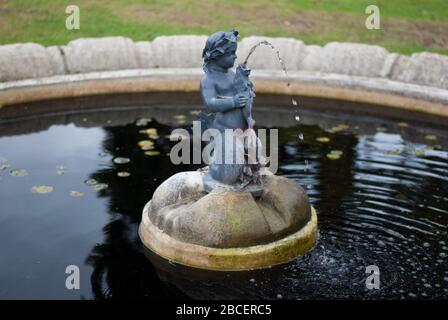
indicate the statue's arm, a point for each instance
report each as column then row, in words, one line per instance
column 213, row 101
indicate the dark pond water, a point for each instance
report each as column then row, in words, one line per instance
column 383, row 202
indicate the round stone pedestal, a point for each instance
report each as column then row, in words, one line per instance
column 226, row 229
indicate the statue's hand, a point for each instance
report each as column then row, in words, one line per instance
column 240, row 100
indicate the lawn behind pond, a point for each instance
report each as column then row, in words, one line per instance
column 407, row 26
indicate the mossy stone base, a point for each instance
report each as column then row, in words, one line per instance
column 229, row 259
column 230, row 230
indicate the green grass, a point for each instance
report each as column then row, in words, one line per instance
column 407, row 25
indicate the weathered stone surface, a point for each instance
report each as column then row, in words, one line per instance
column 353, row 59
column 228, row 219
column 28, row 60
column 57, row 60
column 426, row 69
column 312, row 59
column 178, row 51
column 399, row 66
column 100, row 54
column 145, row 54
column 291, row 51
column 389, row 64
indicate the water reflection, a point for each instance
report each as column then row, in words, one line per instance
column 383, row 202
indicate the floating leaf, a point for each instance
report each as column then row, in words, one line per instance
column 403, row 125
column 333, row 156
column 101, row 186
column 431, row 137
column 76, row 193
column 146, row 144
column 323, row 139
column 41, row 189
column 19, row 173
column 123, row 174
column 121, row 160
column 149, row 131
column 339, row 127
column 91, row 182
column 152, row 153
column 179, row 117
column 143, row 122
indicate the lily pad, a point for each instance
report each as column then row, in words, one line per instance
column 339, row 127
column 76, row 193
column 121, row 160
column 323, row 139
column 123, row 174
column 42, row 189
column 152, row 153
column 146, row 144
column 143, row 122
column 149, row 131
column 100, row 186
column 333, row 156
column 91, row 182
column 339, row 152
column 19, row 173
column 179, row 117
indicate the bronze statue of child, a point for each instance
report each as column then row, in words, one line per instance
column 229, row 97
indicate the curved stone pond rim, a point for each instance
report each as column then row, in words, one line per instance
column 305, row 86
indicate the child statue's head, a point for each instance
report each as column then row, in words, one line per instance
column 220, row 49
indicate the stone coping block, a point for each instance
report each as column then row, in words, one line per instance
column 29, row 60
column 99, row 54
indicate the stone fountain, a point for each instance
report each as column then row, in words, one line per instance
column 233, row 214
